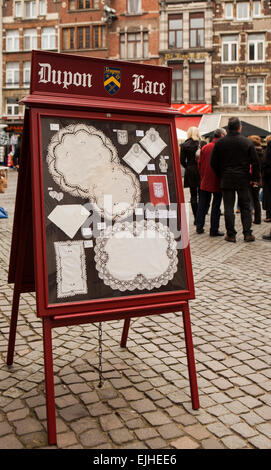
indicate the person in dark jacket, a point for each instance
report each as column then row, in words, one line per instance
column 255, row 187
column 189, row 158
column 209, row 186
column 232, row 159
column 266, row 177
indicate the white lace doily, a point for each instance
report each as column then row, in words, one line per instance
column 135, row 255
column 114, row 191
column 153, row 143
column 74, row 153
column 71, row 268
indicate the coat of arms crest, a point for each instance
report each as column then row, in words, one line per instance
column 112, row 80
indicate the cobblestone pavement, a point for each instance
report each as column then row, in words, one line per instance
column 145, row 400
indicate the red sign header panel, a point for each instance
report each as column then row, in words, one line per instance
column 53, row 73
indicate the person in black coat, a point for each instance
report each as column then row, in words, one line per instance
column 189, row 150
column 234, row 161
column 255, row 187
column 267, row 180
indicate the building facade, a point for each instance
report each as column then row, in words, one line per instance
column 242, row 60
column 186, row 45
column 134, row 35
column 27, row 25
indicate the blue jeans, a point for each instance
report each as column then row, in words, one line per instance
column 204, row 203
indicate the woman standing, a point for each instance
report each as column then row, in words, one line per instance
column 190, row 150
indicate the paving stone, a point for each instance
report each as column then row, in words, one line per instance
column 73, row 412
column 185, row 442
column 260, row 442
column 92, row 438
column 234, row 442
column 120, row 436
column 169, row 431
column 10, row 442
column 142, row 406
column 146, row 433
column 156, row 418
column 27, row 425
column 211, row 443
column 110, row 422
column 156, row 443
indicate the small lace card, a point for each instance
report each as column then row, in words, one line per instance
column 71, row 268
column 158, row 188
column 136, row 158
column 153, row 143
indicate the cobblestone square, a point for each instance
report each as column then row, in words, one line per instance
column 145, row 399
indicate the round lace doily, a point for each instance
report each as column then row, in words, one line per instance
column 74, row 153
column 114, row 191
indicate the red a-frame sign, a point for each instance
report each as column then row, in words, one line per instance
column 100, row 183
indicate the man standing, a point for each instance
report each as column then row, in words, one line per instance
column 234, row 161
column 209, row 185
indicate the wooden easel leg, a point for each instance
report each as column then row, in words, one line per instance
column 190, row 358
column 49, row 381
column 125, row 332
column 13, row 325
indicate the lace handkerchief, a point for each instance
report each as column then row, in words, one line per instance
column 137, row 158
column 139, row 255
column 114, row 191
column 153, row 143
column 69, row 218
column 74, row 153
column 71, row 268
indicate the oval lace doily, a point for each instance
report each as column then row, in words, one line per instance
column 135, row 255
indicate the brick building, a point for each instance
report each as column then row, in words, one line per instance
column 242, row 61
column 134, row 35
column 27, row 25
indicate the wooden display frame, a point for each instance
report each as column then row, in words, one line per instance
column 28, row 260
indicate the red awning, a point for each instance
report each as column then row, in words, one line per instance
column 189, row 108
column 188, row 121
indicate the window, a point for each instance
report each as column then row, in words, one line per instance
column 134, row 45
column 229, row 91
column 18, row 9
column 256, row 9
column 230, row 48
column 42, row 7
column 26, row 73
column 98, row 37
column 177, row 83
column 228, row 10
column 12, row 74
column 133, row 6
column 30, row 39
column 30, row 9
column 196, row 30
column 12, row 107
column 196, row 82
column 83, row 37
column 256, row 47
column 256, row 90
column 175, row 31
column 243, row 10
column 68, row 38
column 83, row 4
column 12, row 40
column 48, row 38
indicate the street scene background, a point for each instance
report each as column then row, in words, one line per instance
column 144, row 402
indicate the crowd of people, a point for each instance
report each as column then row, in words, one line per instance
column 231, row 168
